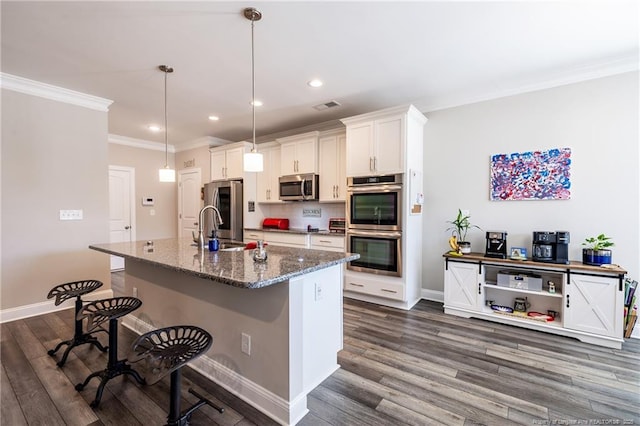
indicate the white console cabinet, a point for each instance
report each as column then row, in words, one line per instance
column 587, row 301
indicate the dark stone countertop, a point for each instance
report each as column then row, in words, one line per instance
column 235, row 268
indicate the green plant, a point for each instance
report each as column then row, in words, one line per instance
column 598, row 243
column 460, row 226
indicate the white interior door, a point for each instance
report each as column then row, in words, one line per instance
column 189, row 185
column 121, row 209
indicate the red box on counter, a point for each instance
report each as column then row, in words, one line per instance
column 275, row 223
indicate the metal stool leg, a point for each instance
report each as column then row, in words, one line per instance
column 177, row 418
column 114, row 368
column 79, row 338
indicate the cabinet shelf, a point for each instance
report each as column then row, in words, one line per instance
column 519, row 290
column 506, row 317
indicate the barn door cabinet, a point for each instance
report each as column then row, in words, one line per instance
column 587, row 301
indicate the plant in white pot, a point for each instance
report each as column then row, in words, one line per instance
column 597, row 250
column 459, row 228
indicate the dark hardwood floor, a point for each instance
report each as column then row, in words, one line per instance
column 419, row 367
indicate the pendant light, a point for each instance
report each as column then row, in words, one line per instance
column 166, row 174
column 253, row 161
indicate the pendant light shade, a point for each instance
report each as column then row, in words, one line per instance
column 166, row 174
column 253, row 161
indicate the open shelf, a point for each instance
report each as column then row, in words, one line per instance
column 518, row 290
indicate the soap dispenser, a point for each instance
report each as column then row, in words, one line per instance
column 260, row 253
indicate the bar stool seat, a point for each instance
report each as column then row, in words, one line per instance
column 165, row 351
column 64, row 292
column 97, row 313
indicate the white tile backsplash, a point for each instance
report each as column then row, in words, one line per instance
column 293, row 212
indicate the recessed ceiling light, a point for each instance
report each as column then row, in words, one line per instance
column 214, row 118
column 257, row 102
column 154, row 128
column 315, row 83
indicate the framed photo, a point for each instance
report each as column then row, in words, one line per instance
column 518, row 253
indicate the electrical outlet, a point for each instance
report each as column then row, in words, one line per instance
column 70, row 214
column 135, row 292
column 246, row 344
column 465, row 212
column 318, row 291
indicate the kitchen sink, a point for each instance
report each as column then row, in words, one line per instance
column 228, row 246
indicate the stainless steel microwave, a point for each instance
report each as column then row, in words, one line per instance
column 299, row 187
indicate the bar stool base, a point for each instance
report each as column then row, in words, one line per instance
column 117, row 369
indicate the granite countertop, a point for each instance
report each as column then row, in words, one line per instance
column 297, row 231
column 235, row 268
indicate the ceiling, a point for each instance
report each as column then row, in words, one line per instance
column 370, row 55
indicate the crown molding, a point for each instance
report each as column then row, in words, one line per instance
column 48, row 91
column 611, row 67
column 205, row 141
column 139, row 143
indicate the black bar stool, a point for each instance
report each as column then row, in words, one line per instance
column 165, row 351
column 97, row 313
column 64, row 292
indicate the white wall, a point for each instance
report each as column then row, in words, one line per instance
column 54, row 156
column 597, row 119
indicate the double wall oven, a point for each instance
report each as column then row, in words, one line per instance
column 374, row 224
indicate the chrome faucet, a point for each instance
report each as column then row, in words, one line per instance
column 200, row 239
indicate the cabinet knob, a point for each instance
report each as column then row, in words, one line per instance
column 127, row 227
column 567, row 300
column 479, row 288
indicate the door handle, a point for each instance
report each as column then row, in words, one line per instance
column 195, row 223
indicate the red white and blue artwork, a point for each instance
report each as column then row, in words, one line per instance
column 531, row 175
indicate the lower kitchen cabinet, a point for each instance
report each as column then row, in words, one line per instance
column 366, row 285
column 585, row 302
column 327, row 242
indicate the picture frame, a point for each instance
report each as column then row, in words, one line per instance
column 518, row 253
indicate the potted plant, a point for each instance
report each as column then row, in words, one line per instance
column 459, row 228
column 597, row 252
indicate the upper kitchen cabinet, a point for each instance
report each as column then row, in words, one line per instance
column 299, row 154
column 332, row 153
column 378, row 143
column 227, row 161
column 267, row 180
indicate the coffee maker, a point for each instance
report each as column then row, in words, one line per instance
column 496, row 244
column 551, row 247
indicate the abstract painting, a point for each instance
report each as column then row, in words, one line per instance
column 531, row 175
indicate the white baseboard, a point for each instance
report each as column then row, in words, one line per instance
column 272, row 405
column 26, row 311
column 436, row 296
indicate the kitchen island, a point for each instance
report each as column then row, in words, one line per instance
column 276, row 326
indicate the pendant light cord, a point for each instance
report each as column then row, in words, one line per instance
column 166, row 124
column 253, row 87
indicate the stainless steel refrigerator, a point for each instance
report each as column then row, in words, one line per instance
column 226, row 195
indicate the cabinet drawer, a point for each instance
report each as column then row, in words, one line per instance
column 284, row 239
column 375, row 288
column 327, row 242
column 253, row 236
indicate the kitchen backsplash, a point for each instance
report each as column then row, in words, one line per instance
column 294, row 212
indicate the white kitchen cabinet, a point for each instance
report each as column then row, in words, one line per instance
column 463, row 285
column 587, row 300
column 327, row 242
column 251, row 235
column 267, row 180
column 378, row 143
column 299, row 154
column 227, row 161
column 594, row 304
column 332, row 155
column 374, row 287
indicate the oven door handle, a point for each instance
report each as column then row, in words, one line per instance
column 361, row 233
column 374, row 188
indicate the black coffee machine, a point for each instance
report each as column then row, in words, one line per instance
column 552, row 247
column 496, row 244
